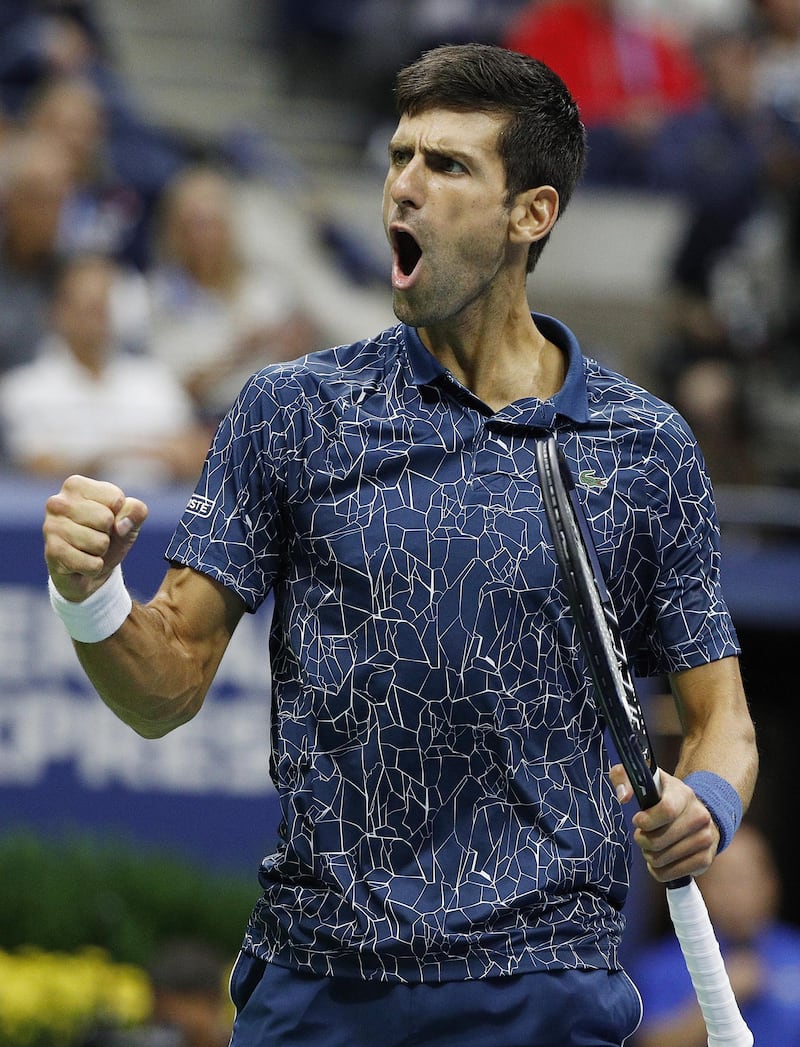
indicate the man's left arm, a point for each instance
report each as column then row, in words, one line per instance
column 702, row 802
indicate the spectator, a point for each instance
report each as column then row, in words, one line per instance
column 626, row 75
column 102, row 214
column 82, row 405
column 715, row 159
column 778, row 87
column 692, row 16
column 35, row 182
column 777, row 24
column 216, row 316
column 355, row 49
column 57, row 38
column 190, row 1006
column 729, row 361
column 188, row 980
column 362, row 36
column 743, row 893
column 39, row 39
column 715, row 156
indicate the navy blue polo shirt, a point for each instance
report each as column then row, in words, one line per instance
column 437, row 752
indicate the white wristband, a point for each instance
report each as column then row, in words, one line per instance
column 99, row 615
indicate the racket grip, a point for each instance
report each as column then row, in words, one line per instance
column 693, row 929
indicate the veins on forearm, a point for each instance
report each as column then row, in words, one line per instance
column 145, row 674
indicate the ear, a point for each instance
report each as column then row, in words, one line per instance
column 533, row 214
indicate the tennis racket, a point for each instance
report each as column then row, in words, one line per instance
column 598, row 630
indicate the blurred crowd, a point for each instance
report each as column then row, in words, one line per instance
column 130, row 311
column 698, row 99
column 190, row 1006
column 744, row 892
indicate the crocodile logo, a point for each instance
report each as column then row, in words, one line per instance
column 589, row 479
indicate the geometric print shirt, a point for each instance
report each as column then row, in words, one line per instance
column 435, row 745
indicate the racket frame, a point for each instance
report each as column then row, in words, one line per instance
column 600, row 637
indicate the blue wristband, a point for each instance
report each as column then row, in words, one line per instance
column 722, row 801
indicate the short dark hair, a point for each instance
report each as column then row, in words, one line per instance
column 544, row 140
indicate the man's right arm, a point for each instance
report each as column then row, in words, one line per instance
column 154, row 671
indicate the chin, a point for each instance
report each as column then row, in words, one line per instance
column 416, row 314
column 403, row 310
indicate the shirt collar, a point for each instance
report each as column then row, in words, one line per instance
column 571, row 400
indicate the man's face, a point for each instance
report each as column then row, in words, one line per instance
column 82, row 311
column 445, row 213
column 35, row 199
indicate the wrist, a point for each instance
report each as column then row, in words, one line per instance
column 99, row 615
column 721, row 800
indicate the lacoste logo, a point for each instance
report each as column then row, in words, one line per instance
column 589, row 479
column 199, row 505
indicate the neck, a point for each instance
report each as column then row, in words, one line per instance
column 92, row 358
column 214, row 273
column 500, row 364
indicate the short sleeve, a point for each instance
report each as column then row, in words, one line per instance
column 230, row 527
column 690, row 624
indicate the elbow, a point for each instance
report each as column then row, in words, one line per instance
column 153, row 731
column 159, row 722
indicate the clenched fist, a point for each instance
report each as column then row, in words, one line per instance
column 89, row 527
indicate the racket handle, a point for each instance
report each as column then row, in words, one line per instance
column 693, row 929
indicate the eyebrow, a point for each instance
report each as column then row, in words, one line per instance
column 433, row 152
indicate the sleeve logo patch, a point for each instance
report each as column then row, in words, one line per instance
column 199, row 505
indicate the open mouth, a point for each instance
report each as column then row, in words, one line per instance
column 408, row 251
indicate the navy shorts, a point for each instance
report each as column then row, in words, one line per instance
column 278, row 1007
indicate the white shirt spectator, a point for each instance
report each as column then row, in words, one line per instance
column 85, row 406
column 119, row 419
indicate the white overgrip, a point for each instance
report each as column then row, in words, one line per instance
column 693, row 929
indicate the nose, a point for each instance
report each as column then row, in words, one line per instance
column 406, row 184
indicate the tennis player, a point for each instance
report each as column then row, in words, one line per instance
column 453, row 859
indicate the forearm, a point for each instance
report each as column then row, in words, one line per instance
column 155, row 662
column 145, row 675
column 722, row 740
column 681, row 834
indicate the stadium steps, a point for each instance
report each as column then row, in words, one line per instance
column 210, row 67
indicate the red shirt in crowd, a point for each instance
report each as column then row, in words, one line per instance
column 612, row 66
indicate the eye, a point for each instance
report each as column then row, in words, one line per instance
column 447, row 164
column 399, row 157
